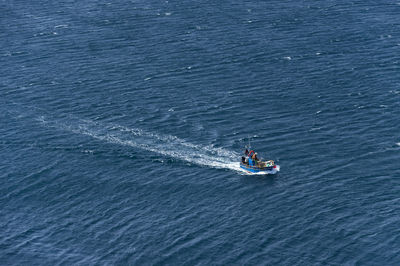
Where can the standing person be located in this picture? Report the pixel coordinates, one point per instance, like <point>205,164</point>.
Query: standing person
<point>255,157</point>
<point>256,161</point>
<point>246,152</point>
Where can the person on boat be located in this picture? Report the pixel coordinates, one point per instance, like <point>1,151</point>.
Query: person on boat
<point>246,152</point>
<point>254,156</point>
<point>257,162</point>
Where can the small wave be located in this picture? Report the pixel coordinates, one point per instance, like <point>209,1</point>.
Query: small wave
<point>61,26</point>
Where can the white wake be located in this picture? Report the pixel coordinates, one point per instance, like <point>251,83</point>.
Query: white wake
<point>166,145</point>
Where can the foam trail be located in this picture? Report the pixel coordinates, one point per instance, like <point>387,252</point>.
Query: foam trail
<point>166,145</point>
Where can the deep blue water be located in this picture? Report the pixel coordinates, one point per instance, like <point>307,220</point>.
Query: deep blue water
<point>122,123</point>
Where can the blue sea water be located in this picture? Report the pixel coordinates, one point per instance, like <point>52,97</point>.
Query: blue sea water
<point>122,124</point>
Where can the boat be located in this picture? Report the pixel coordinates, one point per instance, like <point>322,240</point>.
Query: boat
<point>250,163</point>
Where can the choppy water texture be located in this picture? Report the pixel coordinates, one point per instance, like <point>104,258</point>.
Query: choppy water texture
<point>122,123</point>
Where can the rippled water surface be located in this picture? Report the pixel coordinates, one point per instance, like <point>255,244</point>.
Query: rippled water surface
<point>122,124</point>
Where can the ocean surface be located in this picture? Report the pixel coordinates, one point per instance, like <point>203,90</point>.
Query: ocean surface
<point>122,124</point>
